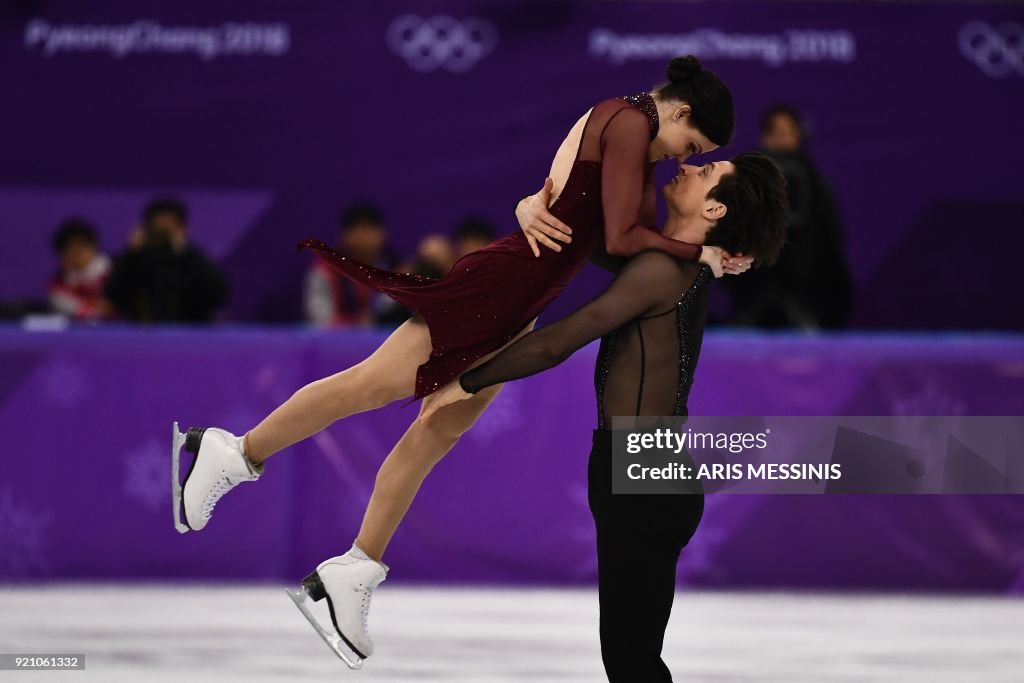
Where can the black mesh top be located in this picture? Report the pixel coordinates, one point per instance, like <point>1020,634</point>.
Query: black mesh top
<point>651,324</point>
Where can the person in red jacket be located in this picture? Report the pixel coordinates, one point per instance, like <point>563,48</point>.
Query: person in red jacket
<point>332,300</point>
<point>76,289</point>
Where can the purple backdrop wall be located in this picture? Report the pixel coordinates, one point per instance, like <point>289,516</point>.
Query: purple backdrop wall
<point>267,118</point>
<point>84,465</point>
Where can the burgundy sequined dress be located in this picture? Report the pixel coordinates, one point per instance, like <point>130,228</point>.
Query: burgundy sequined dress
<point>491,294</point>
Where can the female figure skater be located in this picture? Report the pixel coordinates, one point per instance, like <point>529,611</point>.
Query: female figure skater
<point>603,178</point>
<point>651,323</point>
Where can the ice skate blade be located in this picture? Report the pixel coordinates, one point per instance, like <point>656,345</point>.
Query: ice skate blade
<point>333,640</point>
<point>177,442</point>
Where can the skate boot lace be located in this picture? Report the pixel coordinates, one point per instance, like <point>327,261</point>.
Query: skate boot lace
<point>218,490</point>
<point>367,595</point>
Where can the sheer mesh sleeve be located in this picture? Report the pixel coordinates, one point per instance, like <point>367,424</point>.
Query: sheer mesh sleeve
<point>647,283</point>
<point>624,167</point>
<point>602,259</point>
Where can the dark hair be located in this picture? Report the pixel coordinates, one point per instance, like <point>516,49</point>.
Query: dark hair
<point>783,110</point>
<point>757,209</point>
<point>74,229</point>
<point>361,213</point>
<point>709,98</point>
<point>165,205</point>
<point>475,228</point>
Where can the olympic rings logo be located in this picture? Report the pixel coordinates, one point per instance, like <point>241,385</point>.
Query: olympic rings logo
<point>441,41</point>
<point>998,52</point>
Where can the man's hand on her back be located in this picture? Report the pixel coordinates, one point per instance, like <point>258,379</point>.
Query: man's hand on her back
<point>538,224</point>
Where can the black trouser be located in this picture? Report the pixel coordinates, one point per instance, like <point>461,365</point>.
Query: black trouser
<point>638,542</point>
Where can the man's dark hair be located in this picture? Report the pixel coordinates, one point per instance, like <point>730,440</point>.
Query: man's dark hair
<point>74,229</point>
<point>163,205</point>
<point>757,215</point>
<point>361,213</point>
<point>709,98</point>
<point>475,228</point>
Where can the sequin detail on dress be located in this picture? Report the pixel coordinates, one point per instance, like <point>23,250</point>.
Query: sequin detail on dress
<point>645,103</point>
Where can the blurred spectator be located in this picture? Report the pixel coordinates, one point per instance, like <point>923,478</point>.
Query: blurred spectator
<point>472,234</point>
<point>435,256</point>
<point>162,277</point>
<point>809,287</point>
<point>782,130</point>
<point>76,289</point>
<point>332,300</point>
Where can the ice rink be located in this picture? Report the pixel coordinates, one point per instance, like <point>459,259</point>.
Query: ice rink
<point>146,634</point>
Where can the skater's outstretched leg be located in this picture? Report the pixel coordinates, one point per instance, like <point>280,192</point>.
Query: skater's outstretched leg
<point>223,460</point>
<point>420,448</point>
<point>348,581</point>
<point>387,375</point>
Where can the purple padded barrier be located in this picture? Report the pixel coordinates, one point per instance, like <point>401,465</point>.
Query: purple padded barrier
<point>84,465</point>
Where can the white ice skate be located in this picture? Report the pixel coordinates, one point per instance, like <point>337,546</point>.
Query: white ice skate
<point>218,466</point>
<point>348,582</point>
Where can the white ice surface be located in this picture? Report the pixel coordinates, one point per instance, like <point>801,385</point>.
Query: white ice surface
<point>187,634</point>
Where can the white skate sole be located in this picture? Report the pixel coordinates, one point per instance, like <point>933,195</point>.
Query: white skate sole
<point>312,589</point>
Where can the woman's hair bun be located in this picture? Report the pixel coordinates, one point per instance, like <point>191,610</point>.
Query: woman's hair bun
<point>682,69</point>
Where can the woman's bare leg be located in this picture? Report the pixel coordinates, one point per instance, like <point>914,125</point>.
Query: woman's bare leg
<point>387,375</point>
<point>421,447</point>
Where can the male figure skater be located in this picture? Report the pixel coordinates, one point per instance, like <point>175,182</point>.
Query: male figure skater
<point>651,323</point>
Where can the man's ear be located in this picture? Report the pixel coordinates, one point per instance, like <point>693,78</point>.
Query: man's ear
<point>681,111</point>
<point>714,210</point>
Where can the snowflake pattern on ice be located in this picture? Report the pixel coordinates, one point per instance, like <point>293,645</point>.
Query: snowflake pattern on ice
<point>23,538</point>
<point>146,475</point>
<point>64,384</point>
